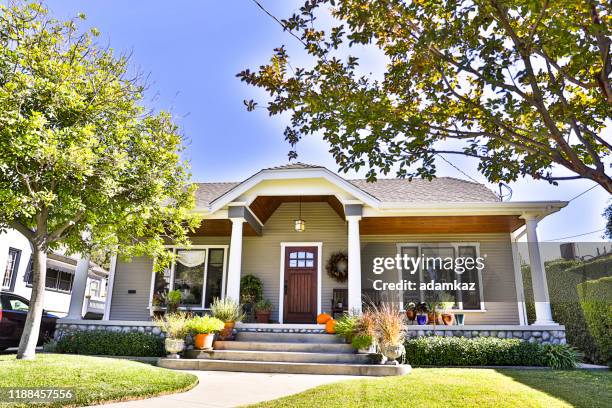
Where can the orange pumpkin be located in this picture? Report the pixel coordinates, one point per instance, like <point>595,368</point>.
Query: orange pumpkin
<point>330,326</point>
<point>323,318</point>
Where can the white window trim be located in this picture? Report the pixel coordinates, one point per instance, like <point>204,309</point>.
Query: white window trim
<point>455,246</point>
<point>281,291</point>
<point>175,248</point>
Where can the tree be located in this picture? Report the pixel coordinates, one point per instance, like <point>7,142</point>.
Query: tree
<point>522,86</point>
<point>607,214</point>
<point>83,165</point>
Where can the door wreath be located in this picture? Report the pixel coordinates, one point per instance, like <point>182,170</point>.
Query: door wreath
<point>337,266</point>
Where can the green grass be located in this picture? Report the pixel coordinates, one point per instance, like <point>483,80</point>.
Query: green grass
<point>94,379</point>
<point>456,387</point>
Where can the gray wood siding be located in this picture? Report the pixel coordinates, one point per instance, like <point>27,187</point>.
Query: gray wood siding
<point>499,289</point>
<point>134,274</point>
<point>261,255</point>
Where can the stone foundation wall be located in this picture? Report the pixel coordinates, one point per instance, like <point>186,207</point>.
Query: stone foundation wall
<point>555,336</point>
<point>63,329</point>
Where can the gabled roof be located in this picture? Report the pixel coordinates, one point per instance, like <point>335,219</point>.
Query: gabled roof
<point>441,189</point>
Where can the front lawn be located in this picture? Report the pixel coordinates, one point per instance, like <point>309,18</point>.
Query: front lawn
<point>457,387</point>
<point>94,379</point>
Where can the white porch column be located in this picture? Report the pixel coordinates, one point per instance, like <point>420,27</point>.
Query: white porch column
<point>79,285</point>
<point>538,274</point>
<point>235,260</point>
<point>354,264</point>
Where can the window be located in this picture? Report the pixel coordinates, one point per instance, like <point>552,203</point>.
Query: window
<point>198,273</point>
<point>18,305</point>
<point>94,288</point>
<point>443,272</point>
<point>12,265</point>
<point>301,259</point>
<point>56,280</point>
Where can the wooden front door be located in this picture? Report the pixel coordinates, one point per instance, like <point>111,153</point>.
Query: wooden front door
<point>300,303</point>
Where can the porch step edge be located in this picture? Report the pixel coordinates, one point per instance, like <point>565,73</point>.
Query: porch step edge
<point>271,337</point>
<point>278,356</point>
<point>278,346</point>
<point>374,370</point>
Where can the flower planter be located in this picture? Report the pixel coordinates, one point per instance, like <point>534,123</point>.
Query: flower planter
<point>262,317</point>
<point>448,319</point>
<point>421,319</point>
<point>204,341</point>
<point>411,315</point>
<point>460,319</point>
<point>433,318</point>
<point>227,332</point>
<point>392,351</point>
<point>174,346</point>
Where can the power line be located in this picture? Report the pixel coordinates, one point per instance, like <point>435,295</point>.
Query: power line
<point>584,192</point>
<point>574,236</point>
<point>273,17</point>
<point>457,168</point>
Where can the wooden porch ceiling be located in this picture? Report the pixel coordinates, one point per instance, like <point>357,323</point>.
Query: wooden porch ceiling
<point>472,224</point>
<point>264,206</point>
<point>221,228</point>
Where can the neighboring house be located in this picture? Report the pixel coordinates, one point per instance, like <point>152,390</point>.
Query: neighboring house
<point>15,271</point>
<point>252,227</point>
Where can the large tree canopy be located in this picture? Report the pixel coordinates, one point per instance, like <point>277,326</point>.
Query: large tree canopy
<point>83,165</point>
<point>522,86</point>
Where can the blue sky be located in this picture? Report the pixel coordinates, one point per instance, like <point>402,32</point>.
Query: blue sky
<point>193,50</point>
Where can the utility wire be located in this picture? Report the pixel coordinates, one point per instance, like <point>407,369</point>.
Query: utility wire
<point>584,192</point>
<point>574,236</point>
<point>457,168</point>
<point>273,17</point>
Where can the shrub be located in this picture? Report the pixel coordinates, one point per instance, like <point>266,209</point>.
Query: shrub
<point>563,277</point>
<point>346,326</point>
<point>251,289</point>
<point>226,310</point>
<point>560,356</point>
<point>106,343</point>
<point>204,325</point>
<point>596,303</point>
<point>487,351</point>
<point>263,305</point>
<point>361,342</point>
<point>173,324</point>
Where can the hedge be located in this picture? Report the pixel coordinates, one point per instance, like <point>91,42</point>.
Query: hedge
<point>100,342</point>
<point>596,302</point>
<point>563,277</point>
<point>487,351</point>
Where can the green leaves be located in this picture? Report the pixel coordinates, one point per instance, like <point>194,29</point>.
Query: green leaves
<point>78,150</point>
<point>524,87</point>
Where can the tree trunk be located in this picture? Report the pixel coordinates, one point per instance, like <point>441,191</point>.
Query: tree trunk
<point>31,330</point>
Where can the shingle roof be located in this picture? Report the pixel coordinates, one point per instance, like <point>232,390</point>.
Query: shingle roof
<point>441,189</point>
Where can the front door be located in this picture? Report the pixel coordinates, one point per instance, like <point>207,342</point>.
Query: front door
<point>300,303</point>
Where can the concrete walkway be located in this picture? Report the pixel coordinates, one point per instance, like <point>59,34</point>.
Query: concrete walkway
<point>227,389</point>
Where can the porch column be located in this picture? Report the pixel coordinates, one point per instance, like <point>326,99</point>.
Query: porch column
<point>235,260</point>
<point>79,285</point>
<point>354,264</point>
<point>538,274</point>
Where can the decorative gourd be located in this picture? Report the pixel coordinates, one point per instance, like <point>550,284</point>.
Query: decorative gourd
<point>323,318</point>
<point>330,326</point>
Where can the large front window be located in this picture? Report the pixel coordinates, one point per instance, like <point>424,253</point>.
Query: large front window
<point>12,264</point>
<point>198,273</point>
<point>443,272</point>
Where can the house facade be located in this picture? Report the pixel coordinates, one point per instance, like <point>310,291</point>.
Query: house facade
<point>284,223</point>
<point>15,274</point>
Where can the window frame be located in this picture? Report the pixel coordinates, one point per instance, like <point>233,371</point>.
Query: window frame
<point>174,249</point>
<point>14,269</point>
<point>57,279</point>
<point>455,246</point>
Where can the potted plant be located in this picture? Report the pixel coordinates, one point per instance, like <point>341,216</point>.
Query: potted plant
<point>263,308</point>
<point>346,327</point>
<point>365,337</point>
<point>460,318</point>
<point>251,292</point>
<point>204,329</point>
<point>337,301</point>
<point>157,305</point>
<point>173,300</point>
<point>421,310</point>
<point>175,327</point>
<point>411,312</point>
<point>229,312</point>
<point>391,331</point>
<point>445,306</point>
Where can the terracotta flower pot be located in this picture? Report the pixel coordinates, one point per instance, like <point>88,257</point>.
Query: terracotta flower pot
<point>411,315</point>
<point>433,318</point>
<point>262,317</point>
<point>204,341</point>
<point>448,319</point>
<point>227,331</point>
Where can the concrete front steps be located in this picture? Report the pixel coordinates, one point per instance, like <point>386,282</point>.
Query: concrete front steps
<point>290,353</point>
